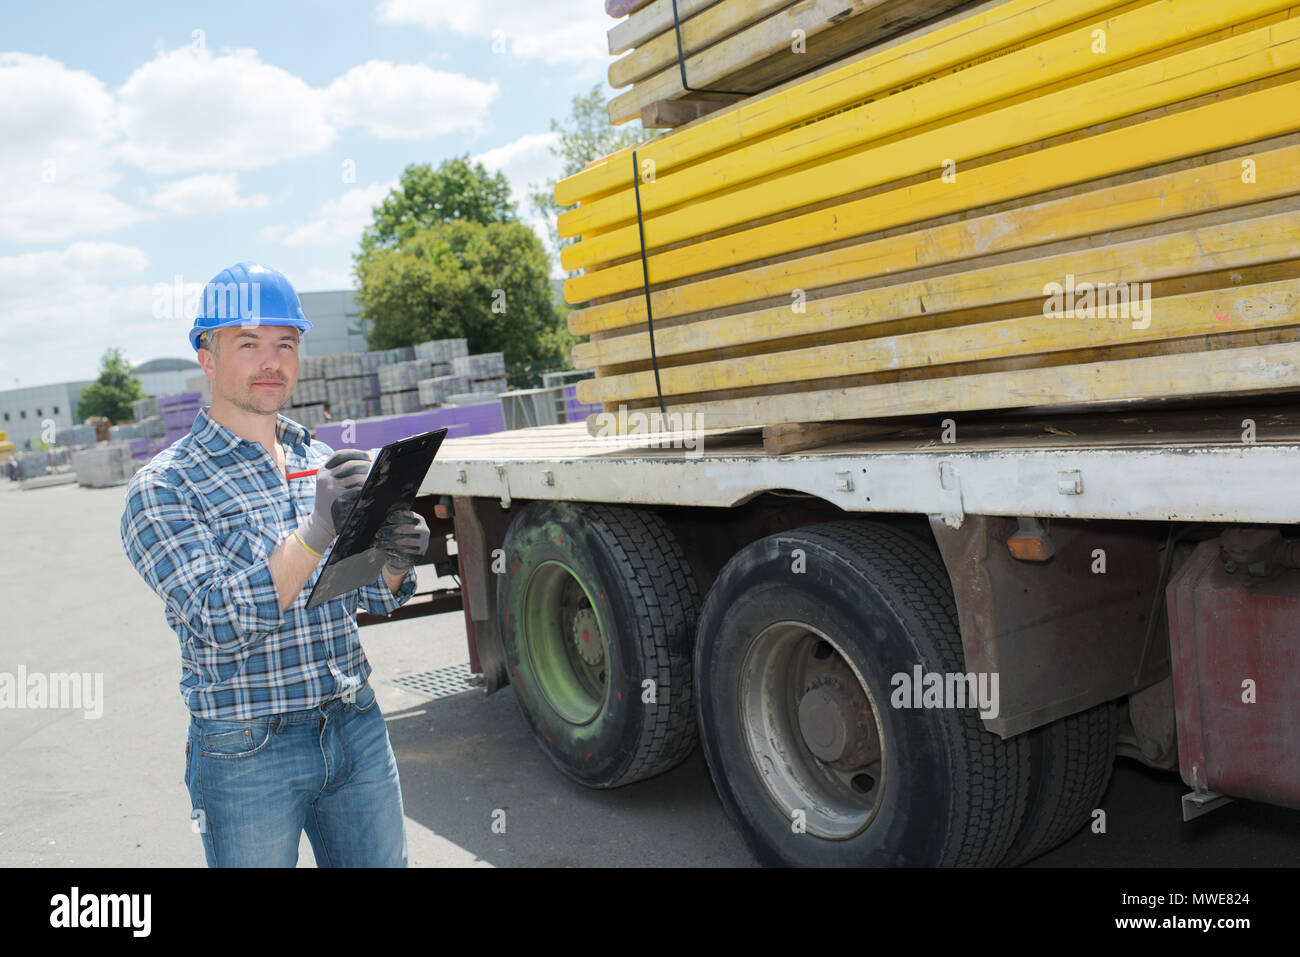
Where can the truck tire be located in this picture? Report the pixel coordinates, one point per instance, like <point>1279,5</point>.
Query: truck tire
<point>1070,763</point>
<point>801,639</point>
<point>598,610</point>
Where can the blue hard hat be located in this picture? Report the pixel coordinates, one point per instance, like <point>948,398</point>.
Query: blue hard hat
<point>247,294</point>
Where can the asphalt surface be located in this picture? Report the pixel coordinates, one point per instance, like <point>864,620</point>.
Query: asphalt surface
<point>109,791</point>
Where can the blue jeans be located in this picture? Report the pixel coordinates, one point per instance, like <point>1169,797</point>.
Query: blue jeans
<point>255,785</point>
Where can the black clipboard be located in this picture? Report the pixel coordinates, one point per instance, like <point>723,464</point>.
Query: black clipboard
<point>394,481</point>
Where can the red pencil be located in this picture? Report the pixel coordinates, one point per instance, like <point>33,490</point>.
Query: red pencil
<point>294,475</point>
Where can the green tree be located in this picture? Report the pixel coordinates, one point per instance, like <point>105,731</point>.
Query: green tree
<point>113,392</point>
<point>487,283</point>
<point>585,136</point>
<point>457,190</point>
<point>447,257</point>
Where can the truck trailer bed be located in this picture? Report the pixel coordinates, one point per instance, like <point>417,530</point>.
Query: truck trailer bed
<point>1233,464</point>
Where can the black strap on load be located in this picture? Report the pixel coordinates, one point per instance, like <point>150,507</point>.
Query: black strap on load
<point>681,62</point>
<point>645,277</point>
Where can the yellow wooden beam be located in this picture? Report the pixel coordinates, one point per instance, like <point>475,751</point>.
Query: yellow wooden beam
<point>1274,368</point>
<point>1276,173</point>
<point>1236,60</point>
<point>961,42</point>
<point>1239,243</point>
<point>1067,57</point>
<point>1228,246</point>
<point>1217,125</point>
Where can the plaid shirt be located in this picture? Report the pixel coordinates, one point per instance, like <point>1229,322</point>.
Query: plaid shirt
<point>201,521</point>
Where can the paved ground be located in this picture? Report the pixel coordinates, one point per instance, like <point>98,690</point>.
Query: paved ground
<point>109,792</point>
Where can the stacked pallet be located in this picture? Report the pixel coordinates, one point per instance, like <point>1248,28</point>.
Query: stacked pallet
<point>358,385</point>
<point>178,412</point>
<point>346,382</point>
<point>81,436</point>
<point>691,57</point>
<point>399,384</point>
<point>442,350</point>
<point>485,372</point>
<point>1040,202</point>
<point>438,389</point>
<point>104,466</point>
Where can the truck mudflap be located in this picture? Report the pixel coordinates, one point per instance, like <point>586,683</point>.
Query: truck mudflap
<point>478,532</point>
<point>1066,633</point>
<point>1235,640</point>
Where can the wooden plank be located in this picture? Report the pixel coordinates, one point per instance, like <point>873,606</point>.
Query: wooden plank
<point>776,241</point>
<point>982,189</point>
<point>961,40</point>
<point>1064,58</point>
<point>746,48</point>
<point>1204,313</point>
<point>651,20</point>
<point>712,25</point>
<point>971,8</point>
<point>1217,125</point>
<point>850,37</point>
<point>1193,424</point>
<point>621,8</point>
<point>968,294</point>
<point>668,113</point>
<point>1254,275</point>
<point>1278,422</point>
<point>1270,368</point>
<point>1218,66</point>
<point>1153,200</point>
<point>798,437</point>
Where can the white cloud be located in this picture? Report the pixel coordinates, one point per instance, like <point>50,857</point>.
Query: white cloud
<point>205,193</point>
<point>555,31</point>
<point>327,280</point>
<point>408,101</point>
<point>54,212</point>
<point>56,166</point>
<point>34,273</point>
<point>525,161</point>
<point>193,110</point>
<point>337,221</point>
<point>528,164</point>
<point>190,109</point>
<point>104,296</point>
<point>49,112</point>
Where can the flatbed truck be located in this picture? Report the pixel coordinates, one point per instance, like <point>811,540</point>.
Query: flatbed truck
<point>925,648</point>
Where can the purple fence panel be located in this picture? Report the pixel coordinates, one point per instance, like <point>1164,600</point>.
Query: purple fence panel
<point>459,420</point>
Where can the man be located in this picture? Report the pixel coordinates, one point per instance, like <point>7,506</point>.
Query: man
<point>284,731</point>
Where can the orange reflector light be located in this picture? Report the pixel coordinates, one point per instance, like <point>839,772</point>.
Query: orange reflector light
<point>1030,548</point>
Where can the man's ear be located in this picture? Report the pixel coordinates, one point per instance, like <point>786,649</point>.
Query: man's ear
<point>206,360</point>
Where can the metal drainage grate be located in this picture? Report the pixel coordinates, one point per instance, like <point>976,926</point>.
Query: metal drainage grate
<point>440,682</point>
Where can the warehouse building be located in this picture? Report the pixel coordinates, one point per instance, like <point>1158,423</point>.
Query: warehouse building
<point>336,327</point>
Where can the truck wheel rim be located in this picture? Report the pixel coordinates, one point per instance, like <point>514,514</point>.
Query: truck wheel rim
<point>812,731</point>
<point>565,643</point>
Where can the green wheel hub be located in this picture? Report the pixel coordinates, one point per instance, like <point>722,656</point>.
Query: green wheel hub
<point>565,643</point>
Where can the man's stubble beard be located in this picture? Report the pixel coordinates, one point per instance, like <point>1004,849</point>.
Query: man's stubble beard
<point>246,401</point>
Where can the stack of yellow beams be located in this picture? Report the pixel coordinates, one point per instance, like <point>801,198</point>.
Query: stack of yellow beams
<point>919,231</point>
<point>741,47</point>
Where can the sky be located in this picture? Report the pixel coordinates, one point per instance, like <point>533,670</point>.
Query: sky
<point>145,146</point>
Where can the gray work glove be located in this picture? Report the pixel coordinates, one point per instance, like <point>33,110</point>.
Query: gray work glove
<point>338,485</point>
<point>404,538</point>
